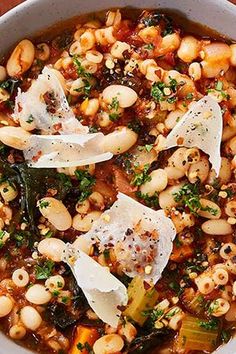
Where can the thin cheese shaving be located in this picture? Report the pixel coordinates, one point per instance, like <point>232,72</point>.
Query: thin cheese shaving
<point>200,127</point>
<point>32,105</point>
<point>57,151</point>
<point>140,237</point>
<point>104,292</point>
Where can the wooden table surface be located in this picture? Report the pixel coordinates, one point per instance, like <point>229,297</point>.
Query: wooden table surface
<point>6,5</point>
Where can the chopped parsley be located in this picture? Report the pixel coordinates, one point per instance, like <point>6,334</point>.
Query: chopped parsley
<point>162,92</point>
<point>86,89</point>
<point>44,271</point>
<point>66,181</point>
<point>209,325</point>
<point>225,336</point>
<point>147,147</point>
<point>135,125</point>
<point>114,104</point>
<point>219,88</point>
<point>30,119</point>
<point>141,177</point>
<point>87,181</point>
<point>80,69</point>
<point>86,346</point>
<point>150,201</point>
<point>43,204</point>
<point>21,238</point>
<point>10,85</point>
<point>189,196</point>
<point>149,46</point>
<point>114,117</point>
<point>156,314</point>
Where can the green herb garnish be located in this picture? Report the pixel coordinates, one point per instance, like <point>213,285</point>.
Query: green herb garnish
<point>141,177</point>
<point>44,271</point>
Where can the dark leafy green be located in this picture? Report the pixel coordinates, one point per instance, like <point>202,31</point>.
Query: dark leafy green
<point>59,315</point>
<point>147,341</point>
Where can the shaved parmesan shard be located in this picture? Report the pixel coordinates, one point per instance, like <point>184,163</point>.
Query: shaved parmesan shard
<point>104,292</point>
<point>140,237</point>
<point>200,127</point>
<point>34,105</point>
<point>65,150</point>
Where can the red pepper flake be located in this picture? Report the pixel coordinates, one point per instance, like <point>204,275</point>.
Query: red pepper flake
<point>146,285</point>
<point>37,156</point>
<point>57,126</point>
<point>180,140</point>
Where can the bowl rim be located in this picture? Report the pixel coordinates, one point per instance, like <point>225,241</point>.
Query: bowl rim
<point>27,5</point>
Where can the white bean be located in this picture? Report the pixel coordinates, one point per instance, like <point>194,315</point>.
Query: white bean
<point>120,140</point>
<point>6,305</point>
<point>15,137</point>
<point>157,183</point>
<point>125,95</point>
<point>37,294</point>
<point>52,248</point>
<point>173,118</point>
<point>56,213</point>
<point>199,170</point>
<point>174,173</point>
<point>233,54</point>
<point>110,343</point>
<point>20,278</point>
<point>83,244</point>
<point>217,227</point>
<point>189,49</point>
<point>21,58</point>
<point>225,171</point>
<point>217,52</point>
<point>178,159</point>
<point>30,318</point>
<point>213,69</point>
<point>84,223</point>
<point>212,210</point>
<point>3,73</point>
<point>166,198</point>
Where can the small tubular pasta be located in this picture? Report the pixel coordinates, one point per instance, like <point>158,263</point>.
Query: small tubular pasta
<point>105,36</point>
<point>219,307</point>
<point>118,48</point>
<point>205,284</point>
<point>20,277</point>
<point>228,250</point>
<point>220,276</point>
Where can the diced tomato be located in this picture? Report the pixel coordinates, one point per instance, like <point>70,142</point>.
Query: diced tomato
<point>122,183</point>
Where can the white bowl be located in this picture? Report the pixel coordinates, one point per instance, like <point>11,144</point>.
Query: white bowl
<point>35,15</point>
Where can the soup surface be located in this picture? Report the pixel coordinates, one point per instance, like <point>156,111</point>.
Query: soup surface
<point>117,188</point>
